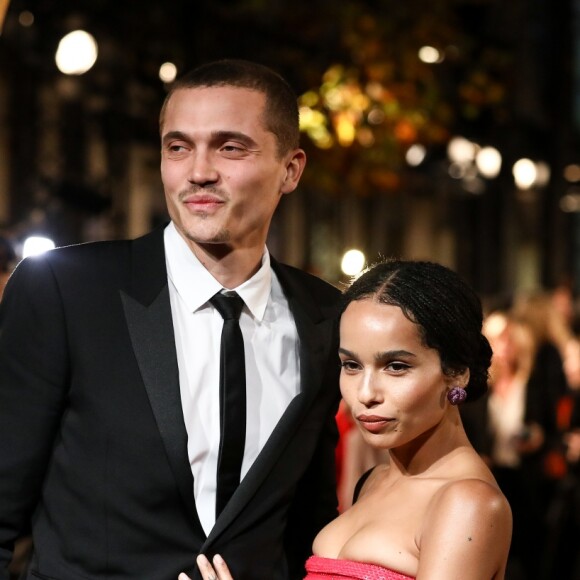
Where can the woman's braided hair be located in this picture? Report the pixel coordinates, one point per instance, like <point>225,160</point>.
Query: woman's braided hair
<point>447,311</point>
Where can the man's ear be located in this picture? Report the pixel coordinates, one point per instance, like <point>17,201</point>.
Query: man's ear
<point>294,168</point>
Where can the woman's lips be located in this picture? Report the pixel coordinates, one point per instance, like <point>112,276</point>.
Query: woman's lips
<point>373,423</point>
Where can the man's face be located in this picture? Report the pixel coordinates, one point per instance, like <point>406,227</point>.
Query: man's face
<point>221,171</point>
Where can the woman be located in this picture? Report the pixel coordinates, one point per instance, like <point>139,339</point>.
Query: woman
<point>411,349</point>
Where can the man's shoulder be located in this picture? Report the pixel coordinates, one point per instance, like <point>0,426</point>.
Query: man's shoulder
<point>78,256</point>
<point>309,282</point>
<point>90,259</point>
<point>104,249</point>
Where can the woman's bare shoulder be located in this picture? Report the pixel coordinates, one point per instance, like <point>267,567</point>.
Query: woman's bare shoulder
<point>469,497</point>
<point>469,519</point>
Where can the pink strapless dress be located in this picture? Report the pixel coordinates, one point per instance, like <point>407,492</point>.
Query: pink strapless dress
<point>318,568</point>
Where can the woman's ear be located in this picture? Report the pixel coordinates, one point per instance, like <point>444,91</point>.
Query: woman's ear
<point>458,378</point>
<point>462,379</point>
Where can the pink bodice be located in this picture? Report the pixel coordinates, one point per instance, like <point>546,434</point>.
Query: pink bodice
<point>318,568</point>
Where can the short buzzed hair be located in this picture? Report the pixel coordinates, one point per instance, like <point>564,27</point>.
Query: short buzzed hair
<point>281,108</point>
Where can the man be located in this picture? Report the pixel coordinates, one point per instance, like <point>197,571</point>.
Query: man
<point>110,365</point>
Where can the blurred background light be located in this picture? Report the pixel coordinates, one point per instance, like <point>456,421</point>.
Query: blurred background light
<point>572,173</point>
<point>488,161</point>
<point>415,154</point>
<point>542,174</point>
<point>167,72</point>
<point>26,18</point>
<point>430,55</point>
<point>461,150</point>
<point>570,203</point>
<point>525,173</point>
<point>353,262</point>
<point>35,245</point>
<point>76,53</point>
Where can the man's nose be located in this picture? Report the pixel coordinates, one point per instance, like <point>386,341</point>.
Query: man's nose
<point>202,171</point>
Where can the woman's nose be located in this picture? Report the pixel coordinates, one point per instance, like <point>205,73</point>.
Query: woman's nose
<point>368,392</point>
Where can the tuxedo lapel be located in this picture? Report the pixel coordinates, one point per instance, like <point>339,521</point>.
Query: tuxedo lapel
<point>315,333</point>
<point>148,314</point>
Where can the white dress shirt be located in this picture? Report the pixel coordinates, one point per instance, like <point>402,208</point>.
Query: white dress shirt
<point>271,353</point>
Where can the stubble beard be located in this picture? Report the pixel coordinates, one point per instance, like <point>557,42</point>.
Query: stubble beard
<point>222,236</point>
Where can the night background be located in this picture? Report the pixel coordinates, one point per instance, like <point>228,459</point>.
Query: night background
<point>445,130</point>
<point>79,154</point>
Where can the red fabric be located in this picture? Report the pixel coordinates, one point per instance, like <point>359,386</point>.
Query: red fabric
<point>318,568</point>
<point>344,424</point>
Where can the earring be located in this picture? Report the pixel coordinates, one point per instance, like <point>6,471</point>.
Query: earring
<point>456,395</point>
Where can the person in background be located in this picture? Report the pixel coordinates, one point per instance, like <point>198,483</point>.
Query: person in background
<point>562,558</point>
<point>411,351</point>
<point>551,336</point>
<point>510,428</point>
<point>114,438</point>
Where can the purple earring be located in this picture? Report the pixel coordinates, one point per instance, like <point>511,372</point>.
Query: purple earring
<point>456,395</point>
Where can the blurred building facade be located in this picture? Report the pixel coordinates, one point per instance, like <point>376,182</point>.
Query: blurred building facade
<point>79,154</point>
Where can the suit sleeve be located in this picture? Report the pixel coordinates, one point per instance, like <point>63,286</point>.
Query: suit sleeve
<point>33,379</point>
<point>316,502</point>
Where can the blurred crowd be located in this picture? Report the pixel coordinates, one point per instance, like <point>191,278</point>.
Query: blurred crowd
<point>527,428</point>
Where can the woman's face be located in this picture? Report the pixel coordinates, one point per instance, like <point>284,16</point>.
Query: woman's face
<point>392,382</point>
<point>501,334</point>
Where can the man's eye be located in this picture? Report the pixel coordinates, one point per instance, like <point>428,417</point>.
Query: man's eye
<point>232,148</point>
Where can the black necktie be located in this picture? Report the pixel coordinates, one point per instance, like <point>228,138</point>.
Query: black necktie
<point>232,398</point>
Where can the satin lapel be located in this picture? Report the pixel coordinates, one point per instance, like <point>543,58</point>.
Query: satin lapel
<point>148,314</point>
<point>315,333</point>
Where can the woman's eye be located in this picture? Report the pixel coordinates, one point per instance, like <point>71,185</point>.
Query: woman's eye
<point>397,367</point>
<point>349,365</point>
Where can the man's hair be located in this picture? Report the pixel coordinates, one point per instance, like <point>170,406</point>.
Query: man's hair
<point>281,107</point>
<point>445,308</point>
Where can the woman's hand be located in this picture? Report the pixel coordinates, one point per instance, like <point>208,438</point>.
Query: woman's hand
<point>219,570</point>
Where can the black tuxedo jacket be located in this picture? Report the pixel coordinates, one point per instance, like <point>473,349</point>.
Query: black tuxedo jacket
<point>93,445</point>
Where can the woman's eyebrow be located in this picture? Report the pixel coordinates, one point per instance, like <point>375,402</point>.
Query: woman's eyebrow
<point>382,356</point>
<point>393,354</point>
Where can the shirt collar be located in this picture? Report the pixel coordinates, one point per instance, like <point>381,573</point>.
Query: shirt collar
<point>195,285</point>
